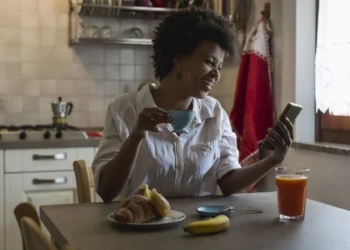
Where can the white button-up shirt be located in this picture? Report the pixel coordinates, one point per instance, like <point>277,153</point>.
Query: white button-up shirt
<point>185,165</point>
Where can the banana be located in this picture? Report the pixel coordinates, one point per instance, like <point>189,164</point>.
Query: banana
<point>209,226</point>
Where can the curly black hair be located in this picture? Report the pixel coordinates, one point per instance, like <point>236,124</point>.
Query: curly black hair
<point>181,32</point>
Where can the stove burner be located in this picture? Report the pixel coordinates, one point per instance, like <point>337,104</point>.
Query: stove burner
<point>41,132</point>
<point>39,127</point>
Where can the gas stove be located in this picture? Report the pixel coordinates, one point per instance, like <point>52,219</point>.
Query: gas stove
<point>41,132</point>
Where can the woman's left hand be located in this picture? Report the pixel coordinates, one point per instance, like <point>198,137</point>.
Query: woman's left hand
<point>280,139</point>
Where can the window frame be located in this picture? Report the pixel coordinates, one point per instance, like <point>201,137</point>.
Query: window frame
<point>330,128</point>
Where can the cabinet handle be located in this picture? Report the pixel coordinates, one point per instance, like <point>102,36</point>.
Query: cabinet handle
<point>58,156</point>
<point>58,180</point>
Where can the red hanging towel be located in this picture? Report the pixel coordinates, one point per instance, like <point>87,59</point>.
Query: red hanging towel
<point>253,108</point>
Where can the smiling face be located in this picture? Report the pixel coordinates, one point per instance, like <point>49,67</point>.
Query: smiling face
<point>200,70</point>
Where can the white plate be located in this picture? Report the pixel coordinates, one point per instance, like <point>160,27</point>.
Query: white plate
<point>173,218</point>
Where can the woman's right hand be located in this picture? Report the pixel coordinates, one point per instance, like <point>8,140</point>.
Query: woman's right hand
<point>148,120</point>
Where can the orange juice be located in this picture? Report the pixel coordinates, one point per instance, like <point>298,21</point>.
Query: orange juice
<point>291,191</point>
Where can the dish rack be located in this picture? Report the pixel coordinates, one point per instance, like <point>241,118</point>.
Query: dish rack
<point>80,9</point>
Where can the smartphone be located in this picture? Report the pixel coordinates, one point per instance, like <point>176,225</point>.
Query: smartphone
<point>291,111</point>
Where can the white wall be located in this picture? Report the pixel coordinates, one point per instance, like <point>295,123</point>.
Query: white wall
<point>293,23</point>
<point>329,173</point>
<point>329,176</point>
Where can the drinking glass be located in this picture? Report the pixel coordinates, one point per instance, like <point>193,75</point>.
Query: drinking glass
<point>291,192</point>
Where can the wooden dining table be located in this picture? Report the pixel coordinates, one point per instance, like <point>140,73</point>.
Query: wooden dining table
<point>86,226</point>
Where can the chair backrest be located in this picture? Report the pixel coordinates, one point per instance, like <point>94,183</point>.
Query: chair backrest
<point>84,179</point>
<point>34,238</point>
<point>25,210</point>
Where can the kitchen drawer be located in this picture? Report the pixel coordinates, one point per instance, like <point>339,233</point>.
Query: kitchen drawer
<point>53,159</point>
<point>48,181</point>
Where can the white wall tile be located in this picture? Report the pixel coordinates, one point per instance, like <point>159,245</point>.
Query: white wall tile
<point>143,56</point>
<point>12,5</point>
<point>29,5</point>
<point>112,88</point>
<point>82,87</point>
<point>31,104</point>
<point>96,88</point>
<point>10,53</point>
<point>61,6</point>
<point>47,20</point>
<point>79,119</point>
<point>45,104</point>
<point>30,20</point>
<point>47,37</point>
<point>31,118</point>
<point>10,36</point>
<point>96,104</point>
<point>11,87</point>
<point>11,19</point>
<point>14,118</point>
<point>30,36</point>
<point>142,72</point>
<point>109,100</point>
<point>127,56</point>
<point>46,6</point>
<point>13,104</point>
<point>11,71</point>
<point>96,71</point>
<point>45,117</point>
<point>31,88</point>
<point>62,21</point>
<point>112,72</point>
<point>65,88</point>
<point>47,87</point>
<point>62,54</point>
<point>61,38</point>
<point>2,118</point>
<point>111,56</point>
<point>96,119</point>
<point>95,55</point>
<point>127,72</point>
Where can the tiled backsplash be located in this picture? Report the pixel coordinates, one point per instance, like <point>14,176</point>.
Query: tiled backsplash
<point>37,65</point>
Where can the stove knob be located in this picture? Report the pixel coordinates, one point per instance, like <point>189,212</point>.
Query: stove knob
<point>59,135</point>
<point>22,135</point>
<point>47,135</point>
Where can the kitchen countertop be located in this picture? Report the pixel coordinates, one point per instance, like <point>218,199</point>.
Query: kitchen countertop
<point>77,143</point>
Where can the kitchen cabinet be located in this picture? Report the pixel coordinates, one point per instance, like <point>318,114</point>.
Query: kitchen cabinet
<point>38,176</point>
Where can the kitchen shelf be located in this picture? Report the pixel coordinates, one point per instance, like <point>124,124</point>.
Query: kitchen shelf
<point>113,11</point>
<point>80,10</point>
<point>125,41</point>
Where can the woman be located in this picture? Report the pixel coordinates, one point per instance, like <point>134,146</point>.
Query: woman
<point>139,146</point>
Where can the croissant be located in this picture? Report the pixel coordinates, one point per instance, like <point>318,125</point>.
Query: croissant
<point>144,191</point>
<point>134,209</point>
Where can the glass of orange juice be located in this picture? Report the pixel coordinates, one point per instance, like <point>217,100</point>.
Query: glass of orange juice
<point>291,192</point>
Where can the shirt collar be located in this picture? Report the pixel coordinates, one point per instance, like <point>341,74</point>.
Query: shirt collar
<point>202,108</point>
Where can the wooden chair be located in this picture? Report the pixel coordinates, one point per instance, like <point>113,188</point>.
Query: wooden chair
<point>26,210</point>
<point>35,239</point>
<point>84,179</point>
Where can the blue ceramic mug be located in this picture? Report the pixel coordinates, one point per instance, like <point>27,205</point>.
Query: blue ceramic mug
<point>181,119</point>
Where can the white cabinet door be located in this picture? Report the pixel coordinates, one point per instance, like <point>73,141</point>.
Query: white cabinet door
<point>37,189</point>
<point>2,202</point>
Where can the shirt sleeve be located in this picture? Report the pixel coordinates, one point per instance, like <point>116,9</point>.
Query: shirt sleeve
<point>109,146</point>
<point>228,148</point>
